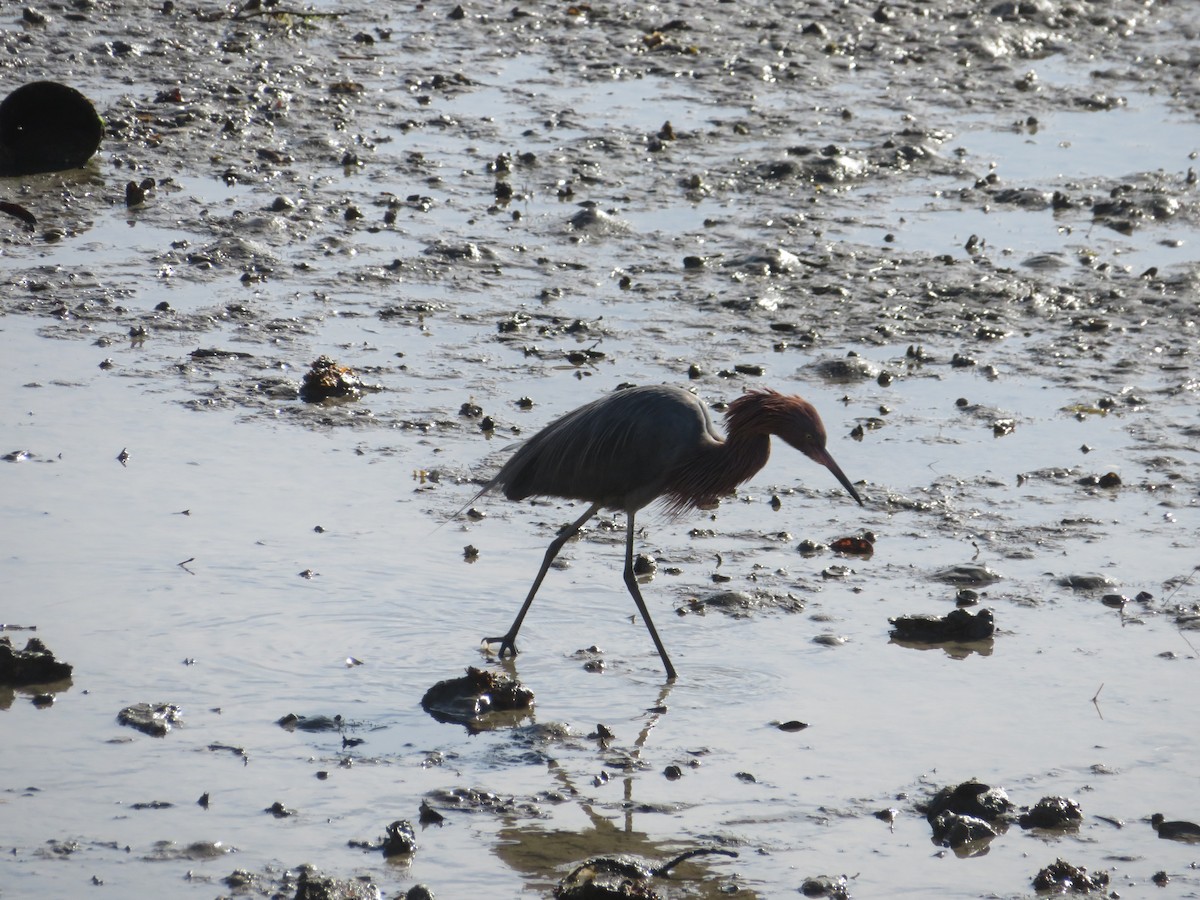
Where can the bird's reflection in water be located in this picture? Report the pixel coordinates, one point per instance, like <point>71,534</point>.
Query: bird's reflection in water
<point>545,855</point>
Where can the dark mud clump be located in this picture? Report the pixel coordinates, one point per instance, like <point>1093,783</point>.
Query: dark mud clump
<point>1052,813</point>
<point>1189,832</point>
<point>1087,581</point>
<point>312,886</point>
<point>303,883</point>
<point>826,886</point>
<point>33,665</point>
<point>971,798</point>
<point>473,800</point>
<point>154,719</point>
<point>968,816</point>
<point>399,839</point>
<point>297,722</point>
<point>1061,877</point>
<point>326,380</point>
<point>957,626</point>
<point>968,575</point>
<point>469,699</point>
<point>967,835</point>
<point>616,877</point>
<point>740,604</point>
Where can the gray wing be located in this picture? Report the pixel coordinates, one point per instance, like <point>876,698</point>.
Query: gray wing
<point>618,451</point>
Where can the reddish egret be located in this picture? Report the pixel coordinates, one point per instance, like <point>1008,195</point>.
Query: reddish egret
<point>635,446</point>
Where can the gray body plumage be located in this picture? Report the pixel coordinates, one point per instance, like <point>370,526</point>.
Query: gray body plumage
<point>620,451</point>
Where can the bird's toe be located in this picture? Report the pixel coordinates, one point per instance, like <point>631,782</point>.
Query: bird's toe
<point>507,646</point>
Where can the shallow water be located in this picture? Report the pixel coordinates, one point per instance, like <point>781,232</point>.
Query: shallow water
<point>1065,147</point>
<point>176,577</point>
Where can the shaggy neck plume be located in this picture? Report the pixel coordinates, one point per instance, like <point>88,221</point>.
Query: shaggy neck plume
<point>720,468</point>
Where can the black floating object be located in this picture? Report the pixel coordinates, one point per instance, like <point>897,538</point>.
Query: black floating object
<point>958,626</point>
<point>33,665</point>
<point>47,127</point>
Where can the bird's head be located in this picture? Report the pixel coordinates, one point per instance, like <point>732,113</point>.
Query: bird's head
<point>791,418</point>
<point>806,432</point>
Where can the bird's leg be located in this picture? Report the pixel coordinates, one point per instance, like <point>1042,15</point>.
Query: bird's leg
<point>508,641</point>
<point>635,591</point>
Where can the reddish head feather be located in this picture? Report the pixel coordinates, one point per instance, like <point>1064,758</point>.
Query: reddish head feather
<point>716,470</point>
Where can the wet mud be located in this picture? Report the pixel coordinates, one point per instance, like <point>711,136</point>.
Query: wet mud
<point>330,263</point>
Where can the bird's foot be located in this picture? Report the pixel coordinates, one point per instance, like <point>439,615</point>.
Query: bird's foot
<point>507,645</point>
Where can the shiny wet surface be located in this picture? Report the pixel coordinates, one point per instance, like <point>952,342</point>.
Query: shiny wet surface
<point>1075,345</point>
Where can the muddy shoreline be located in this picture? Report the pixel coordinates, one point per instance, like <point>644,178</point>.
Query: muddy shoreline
<point>968,234</point>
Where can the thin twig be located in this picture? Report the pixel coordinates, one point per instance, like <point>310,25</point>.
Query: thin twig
<point>663,870</point>
<point>1167,599</point>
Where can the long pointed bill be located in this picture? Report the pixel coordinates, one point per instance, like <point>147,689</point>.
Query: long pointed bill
<point>822,456</point>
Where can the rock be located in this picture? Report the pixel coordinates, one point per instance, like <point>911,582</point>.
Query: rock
<point>1188,832</point>
<point>33,665</point>
<point>957,831</point>
<point>970,798</point>
<point>156,719</point>
<point>1052,812</point>
<point>326,380</point>
<point>825,886</point>
<point>1086,582</point>
<point>956,626</point>
<point>400,839</point>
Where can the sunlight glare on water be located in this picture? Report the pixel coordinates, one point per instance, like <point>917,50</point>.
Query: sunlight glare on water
<point>1062,151</point>
<point>257,557</point>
